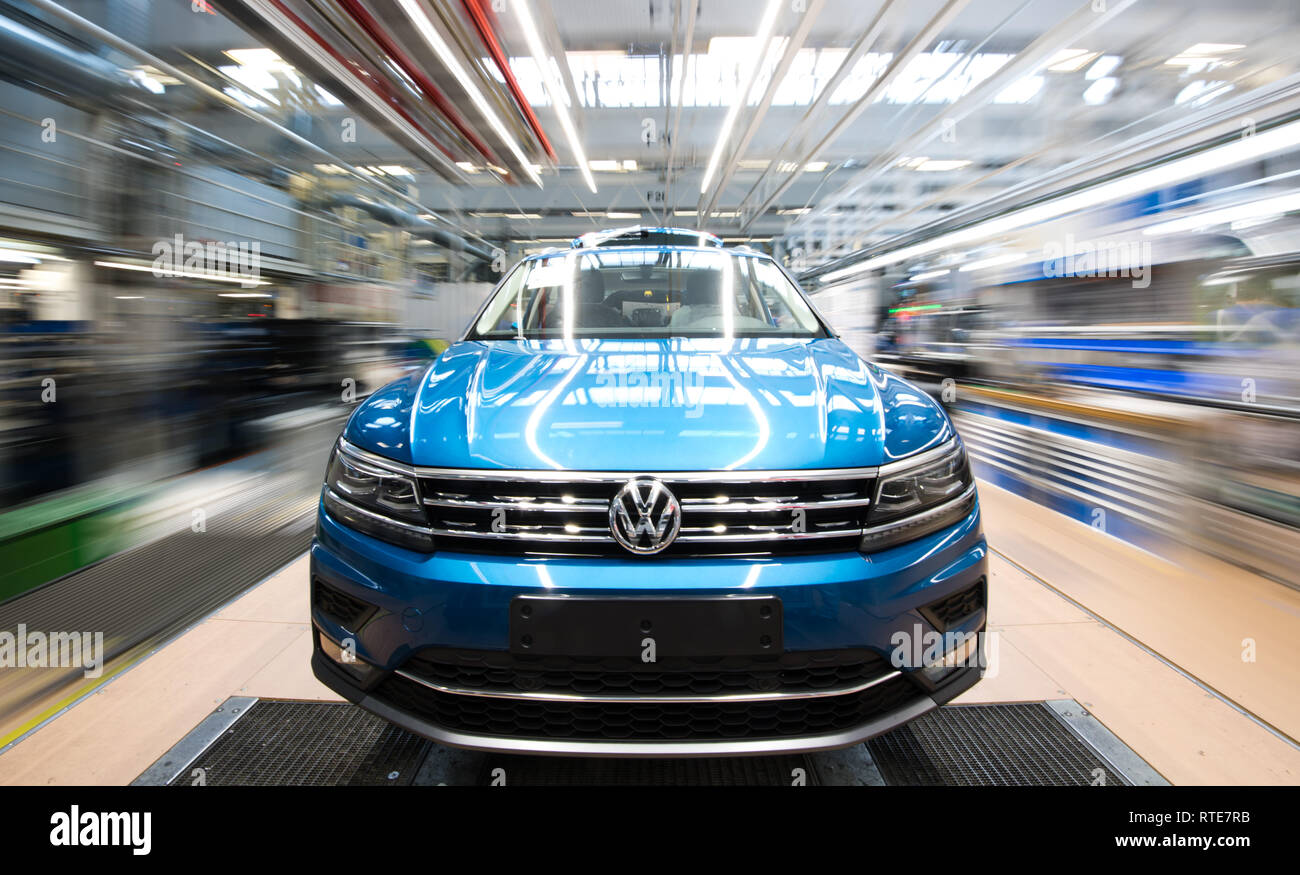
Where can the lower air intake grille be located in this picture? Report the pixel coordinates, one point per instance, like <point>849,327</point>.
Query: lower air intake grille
<point>948,612</point>
<point>614,721</point>
<point>346,610</point>
<point>796,671</point>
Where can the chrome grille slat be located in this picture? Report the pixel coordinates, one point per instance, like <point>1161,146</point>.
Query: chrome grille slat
<point>585,506</point>
<point>568,513</point>
<point>773,505</point>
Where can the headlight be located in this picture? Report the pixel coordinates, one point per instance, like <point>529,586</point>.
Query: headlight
<point>380,502</point>
<point>917,499</point>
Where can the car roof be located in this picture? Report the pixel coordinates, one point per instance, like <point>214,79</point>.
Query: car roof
<point>641,234</point>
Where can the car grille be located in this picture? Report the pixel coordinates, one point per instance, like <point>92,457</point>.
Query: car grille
<point>759,514</point>
<point>650,721</point>
<point>339,606</point>
<point>792,672</point>
<point>948,612</point>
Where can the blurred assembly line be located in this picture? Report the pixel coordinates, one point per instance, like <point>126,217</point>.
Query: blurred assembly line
<point>226,224</point>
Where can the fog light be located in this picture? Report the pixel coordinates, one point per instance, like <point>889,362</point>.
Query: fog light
<point>345,657</point>
<point>954,659</point>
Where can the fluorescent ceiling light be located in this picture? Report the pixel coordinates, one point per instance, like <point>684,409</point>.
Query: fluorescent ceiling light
<point>467,167</point>
<point>1100,91</point>
<point>1201,92</point>
<point>933,165</point>
<point>553,87</point>
<point>1213,48</point>
<point>685,212</point>
<point>794,211</point>
<point>242,279</point>
<point>149,82</point>
<point>761,38</point>
<point>17,257</point>
<point>244,295</point>
<point>262,59</point>
<point>493,214</point>
<point>1021,91</point>
<point>1236,151</point>
<point>452,63</point>
<point>395,170</point>
<point>327,98</point>
<point>609,165</point>
<point>1104,66</point>
<point>810,167</point>
<point>928,275</point>
<point>1070,60</point>
<point>1005,258</point>
<point>1272,206</point>
<point>613,215</point>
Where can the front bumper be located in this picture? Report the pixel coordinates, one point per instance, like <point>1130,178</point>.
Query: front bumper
<point>333,677</point>
<point>418,603</point>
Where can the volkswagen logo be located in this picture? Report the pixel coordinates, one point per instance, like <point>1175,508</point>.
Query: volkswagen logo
<point>644,516</point>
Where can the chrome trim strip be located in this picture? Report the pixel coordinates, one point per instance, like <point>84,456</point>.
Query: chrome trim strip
<point>923,458</point>
<point>694,505</point>
<point>721,747</point>
<point>378,516</point>
<point>593,505</point>
<point>374,458</point>
<point>724,537</point>
<point>523,536</point>
<point>668,477</point>
<point>690,505</point>
<point>719,538</point>
<point>915,519</point>
<point>723,697</point>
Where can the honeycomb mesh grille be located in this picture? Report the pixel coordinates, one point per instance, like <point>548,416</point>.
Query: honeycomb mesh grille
<point>649,721</point>
<point>950,611</point>
<point>795,671</point>
<point>348,611</point>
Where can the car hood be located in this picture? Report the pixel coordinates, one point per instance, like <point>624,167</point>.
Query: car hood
<point>649,405</point>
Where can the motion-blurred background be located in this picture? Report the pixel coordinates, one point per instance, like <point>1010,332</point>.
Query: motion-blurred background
<point>224,222</point>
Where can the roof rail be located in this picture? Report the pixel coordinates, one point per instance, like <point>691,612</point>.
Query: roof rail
<point>639,235</point>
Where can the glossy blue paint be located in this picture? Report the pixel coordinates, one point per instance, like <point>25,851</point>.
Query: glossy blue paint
<point>649,405</point>
<point>646,406</point>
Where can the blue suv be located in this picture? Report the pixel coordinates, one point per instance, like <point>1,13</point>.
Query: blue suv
<point>649,505</point>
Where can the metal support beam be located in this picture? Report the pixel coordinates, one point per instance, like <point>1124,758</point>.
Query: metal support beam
<point>896,65</point>
<point>792,49</point>
<point>819,106</point>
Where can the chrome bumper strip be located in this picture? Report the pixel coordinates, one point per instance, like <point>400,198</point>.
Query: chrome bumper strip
<point>692,699</point>
<point>713,748</point>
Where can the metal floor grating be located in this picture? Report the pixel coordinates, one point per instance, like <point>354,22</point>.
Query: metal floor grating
<point>308,743</point>
<point>769,771</point>
<point>989,745</point>
<point>271,742</point>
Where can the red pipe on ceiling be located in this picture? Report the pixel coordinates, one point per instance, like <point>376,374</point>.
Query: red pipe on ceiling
<point>371,26</point>
<point>363,75</point>
<point>479,16</point>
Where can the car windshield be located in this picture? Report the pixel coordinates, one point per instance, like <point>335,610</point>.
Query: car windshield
<point>647,294</point>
